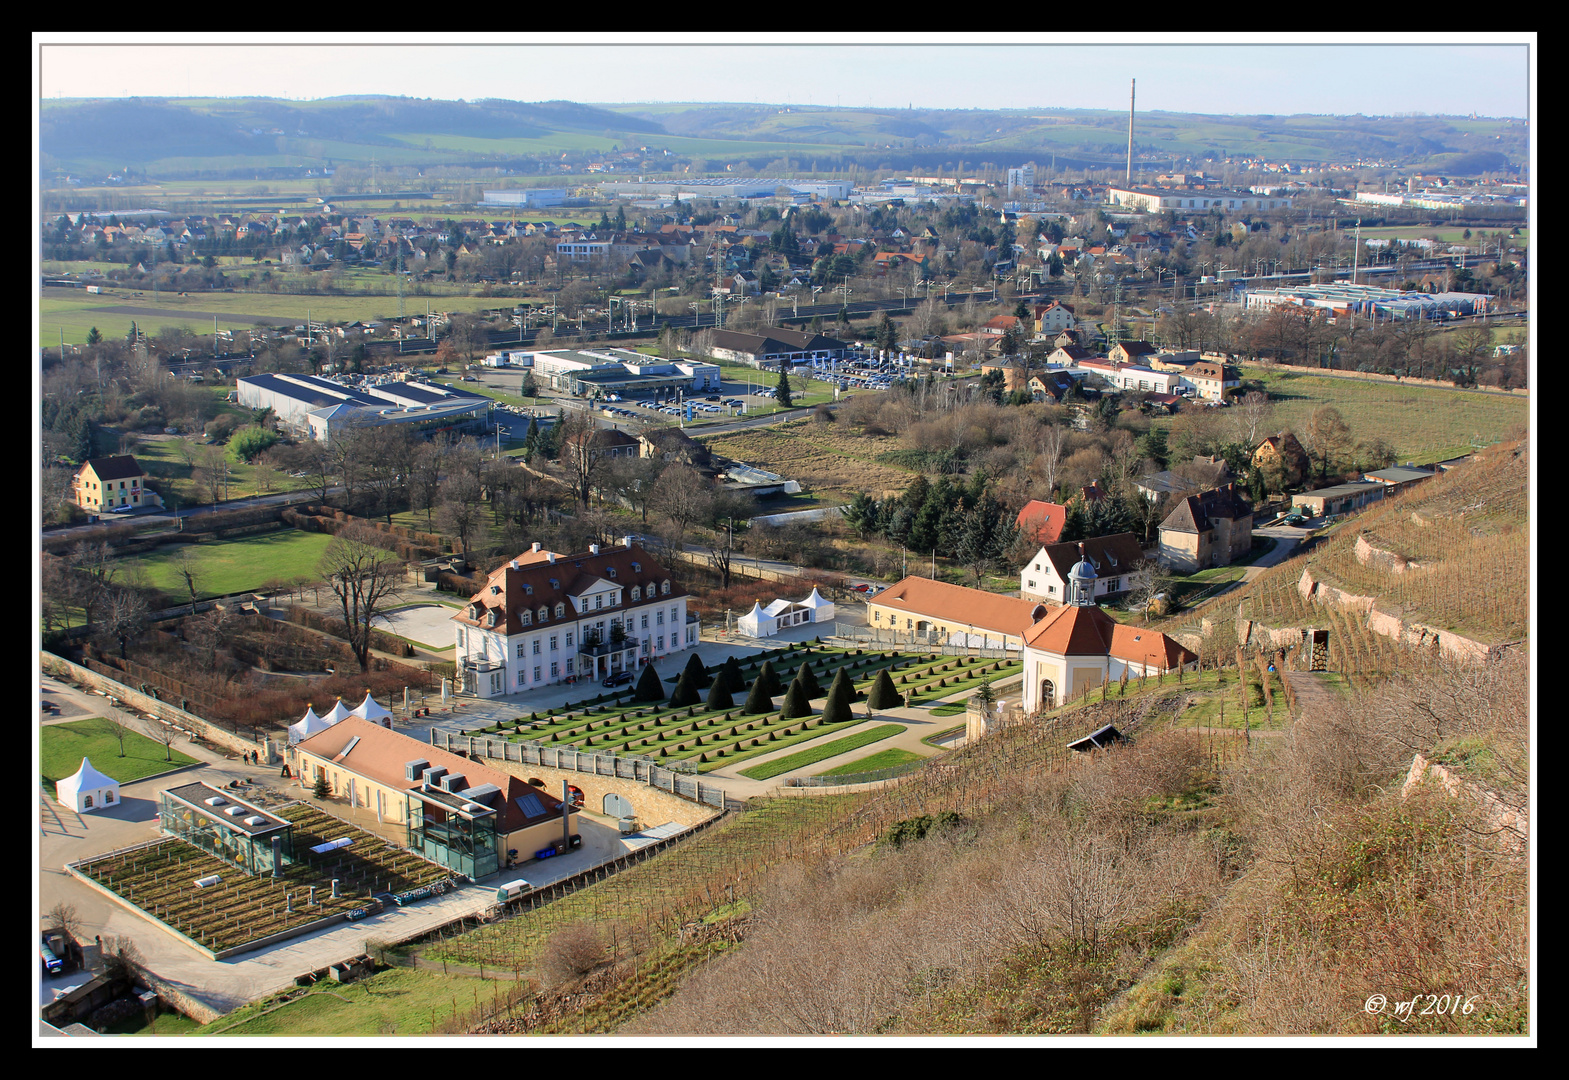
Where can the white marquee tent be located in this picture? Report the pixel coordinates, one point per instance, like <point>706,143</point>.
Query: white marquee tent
<point>338,712</point>
<point>309,725</point>
<point>370,710</point>
<point>87,789</point>
<point>767,621</point>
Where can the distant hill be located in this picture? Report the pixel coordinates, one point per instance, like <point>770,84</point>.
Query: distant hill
<point>169,138</point>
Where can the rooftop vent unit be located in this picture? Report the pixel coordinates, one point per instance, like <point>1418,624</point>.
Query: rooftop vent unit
<point>412,769</point>
<point>484,793</point>
<point>216,800</point>
<point>433,776</point>
<point>454,782</point>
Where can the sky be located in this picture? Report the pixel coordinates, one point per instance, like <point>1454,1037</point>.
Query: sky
<point>1485,74</point>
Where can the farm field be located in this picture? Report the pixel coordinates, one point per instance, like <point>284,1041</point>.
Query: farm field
<point>112,312</point>
<point>240,565</point>
<point>61,748</point>
<point>1423,423</point>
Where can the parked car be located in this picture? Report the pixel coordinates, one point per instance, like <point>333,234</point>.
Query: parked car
<point>1294,519</point>
<point>618,679</point>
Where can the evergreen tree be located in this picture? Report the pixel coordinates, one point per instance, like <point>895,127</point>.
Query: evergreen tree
<point>685,693</point>
<point>795,703</point>
<point>985,696</point>
<point>699,673</point>
<point>649,686</point>
<point>1073,522</point>
<point>320,790</point>
<point>782,393</point>
<point>772,684</point>
<point>719,696</point>
<point>887,334</point>
<point>759,700</point>
<point>884,695</point>
<point>808,680</point>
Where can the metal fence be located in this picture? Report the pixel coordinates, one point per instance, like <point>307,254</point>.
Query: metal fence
<point>854,637</point>
<point>553,757</point>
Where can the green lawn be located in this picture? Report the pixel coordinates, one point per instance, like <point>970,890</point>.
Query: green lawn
<point>396,1002</point>
<point>231,566</point>
<point>61,748</point>
<point>823,752</point>
<point>883,759</point>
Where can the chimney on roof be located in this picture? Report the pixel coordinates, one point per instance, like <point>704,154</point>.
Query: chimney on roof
<point>551,556</point>
<point>534,547</point>
<point>626,541</point>
<point>593,549</point>
<point>514,564</point>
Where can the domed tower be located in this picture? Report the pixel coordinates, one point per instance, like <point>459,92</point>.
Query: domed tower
<point>1081,582</point>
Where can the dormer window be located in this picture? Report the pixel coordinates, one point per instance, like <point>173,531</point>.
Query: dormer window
<point>637,568</point>
<point>611,571</point>
<point>495,590</point>
<point>664,588</point>
<point>637,594</point>
<point>561,610</point>
<point>528,590</point>
<point>555,584</point>
<point>544,613</point>
<point>525,618</point>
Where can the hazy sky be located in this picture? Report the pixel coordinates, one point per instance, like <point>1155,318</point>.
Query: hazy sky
<point>1488,74</point>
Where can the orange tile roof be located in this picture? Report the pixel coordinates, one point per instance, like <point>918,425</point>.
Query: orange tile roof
<point>1089,631</point>
<point>957,604</point>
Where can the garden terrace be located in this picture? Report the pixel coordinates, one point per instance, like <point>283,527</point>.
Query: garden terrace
<point>240,909</point>
<point>712,738</point>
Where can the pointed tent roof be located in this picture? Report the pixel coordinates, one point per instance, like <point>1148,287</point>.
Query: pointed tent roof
<point>371,710</point>
<point>776,606</point>
<point>308,725</point>
<point>88,777</point>
<point>337,713</point>
<point>816,600</point>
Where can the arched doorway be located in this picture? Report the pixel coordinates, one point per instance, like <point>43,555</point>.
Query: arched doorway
<point>1048,694</point>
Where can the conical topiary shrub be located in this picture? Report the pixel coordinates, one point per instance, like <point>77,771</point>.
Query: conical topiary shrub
<point>759,700</point>
<point>730,675</point>
<point>685,693</point>
<point>808,680</point>
<point>649,686</point>
<point>719,696</point>
<point>837,709</point>
<point>700,677</point>
<point>884,695</point>
<point>843,683</point>
<point>771,681</point>
<point>795,702</point>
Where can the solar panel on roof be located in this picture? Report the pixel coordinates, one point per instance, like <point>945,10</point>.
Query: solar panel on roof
<point>530,805</point>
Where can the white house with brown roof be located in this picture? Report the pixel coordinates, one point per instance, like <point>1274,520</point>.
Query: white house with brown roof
<point>1045,576</point>
<point>1211,379</point>
<point>921,609</point>
<point>547,618</point>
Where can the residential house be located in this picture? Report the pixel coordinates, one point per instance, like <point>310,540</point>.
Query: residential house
<point>1040,523</point>
<point>1204,471</point>
<point>546,618</point>
<point>104,484</point>
<point>1053,318</point>
<point>1282,456</point>
<point>602,443</point>
<point>1214,528</point>
<point>1045,575</point>
<point>1211,379</point>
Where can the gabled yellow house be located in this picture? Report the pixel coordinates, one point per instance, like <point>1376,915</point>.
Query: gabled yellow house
<point>106,484</point>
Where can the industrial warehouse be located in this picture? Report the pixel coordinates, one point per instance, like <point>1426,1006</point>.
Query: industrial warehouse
<point>321,407</point>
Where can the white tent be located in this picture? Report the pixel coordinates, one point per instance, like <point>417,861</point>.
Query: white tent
<point>822,610</point>
<point>87,789</point>
<point>758,623</point>
<point>370,710</point>
<point>309,725</point>
<point>338,712</point>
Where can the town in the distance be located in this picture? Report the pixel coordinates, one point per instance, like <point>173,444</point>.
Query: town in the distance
<point>681,572</point>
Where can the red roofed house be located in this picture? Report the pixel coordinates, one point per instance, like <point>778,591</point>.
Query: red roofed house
<point>1078,647</point>
<point>921,609</point>
<point>547,618</point>
<point>1041,523</point>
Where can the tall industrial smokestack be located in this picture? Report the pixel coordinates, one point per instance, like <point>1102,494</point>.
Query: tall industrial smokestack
<point>1133,85</point>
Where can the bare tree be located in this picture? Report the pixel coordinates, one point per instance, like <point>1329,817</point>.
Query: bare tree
<point>1326,438</point>
<point>362,576</point>
<point>683,498</point>
<point>186,566</point>
<point>124,619</point>
<point>1147,580</point>
<point>1252,417</point>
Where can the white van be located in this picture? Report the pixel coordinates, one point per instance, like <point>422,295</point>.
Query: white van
<point>511,890</point>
